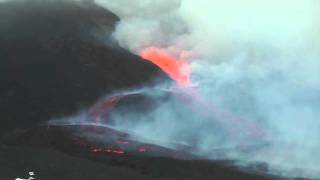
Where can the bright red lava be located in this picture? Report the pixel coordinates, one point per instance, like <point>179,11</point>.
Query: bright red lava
<point>108,150</point>
<point>177,69</point>
<point>111,150</point>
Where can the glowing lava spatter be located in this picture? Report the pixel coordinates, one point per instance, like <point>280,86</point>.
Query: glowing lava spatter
<point>177,69</point>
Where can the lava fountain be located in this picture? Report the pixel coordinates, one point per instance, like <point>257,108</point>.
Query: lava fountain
<point>176,69</point>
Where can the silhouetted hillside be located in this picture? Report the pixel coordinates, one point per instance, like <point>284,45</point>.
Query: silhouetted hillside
<point>53,62</point>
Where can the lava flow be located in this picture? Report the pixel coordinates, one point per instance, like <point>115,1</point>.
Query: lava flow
<point>177,69</point>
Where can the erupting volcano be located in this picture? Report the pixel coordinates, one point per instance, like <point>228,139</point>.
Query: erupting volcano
<point>176,89</point>
<point>177,69</point>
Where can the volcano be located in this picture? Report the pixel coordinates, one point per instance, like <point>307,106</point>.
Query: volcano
<point>57,57</point>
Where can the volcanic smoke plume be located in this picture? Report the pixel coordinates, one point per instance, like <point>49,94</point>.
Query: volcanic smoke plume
<point>251,68</point>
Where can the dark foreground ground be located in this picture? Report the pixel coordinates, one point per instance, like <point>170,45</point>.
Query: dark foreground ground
<point>51,164</point>
<point>53,62</point>
<point>51,152</point>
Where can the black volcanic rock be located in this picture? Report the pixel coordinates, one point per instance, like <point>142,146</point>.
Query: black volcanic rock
<point>53,60</point>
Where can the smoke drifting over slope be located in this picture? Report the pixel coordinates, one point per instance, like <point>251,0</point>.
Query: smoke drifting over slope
<point>258,59</point>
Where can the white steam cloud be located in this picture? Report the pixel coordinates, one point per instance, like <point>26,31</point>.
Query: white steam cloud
<point>259,59</point>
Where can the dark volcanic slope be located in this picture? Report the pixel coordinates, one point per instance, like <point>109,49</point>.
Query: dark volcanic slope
<point>52,64</point>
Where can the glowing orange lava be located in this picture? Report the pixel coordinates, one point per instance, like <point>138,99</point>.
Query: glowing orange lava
<point>108,150</point>
<point>177,69</point>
